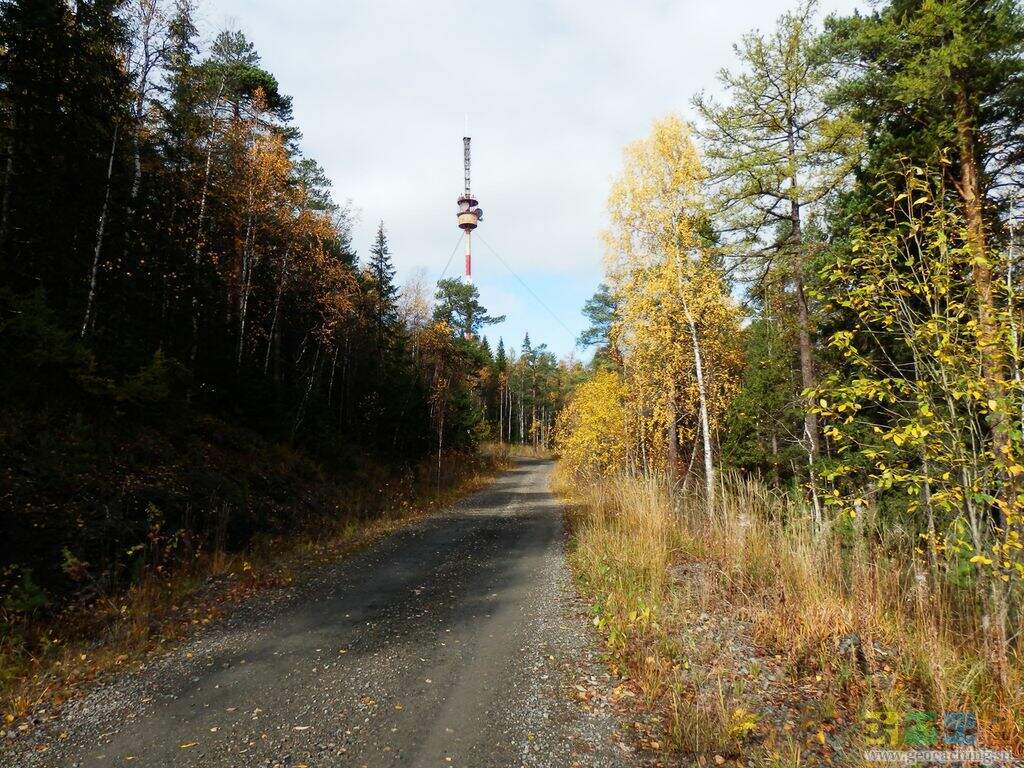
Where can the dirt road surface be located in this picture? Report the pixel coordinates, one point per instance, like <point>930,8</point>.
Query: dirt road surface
<point>454,642</point>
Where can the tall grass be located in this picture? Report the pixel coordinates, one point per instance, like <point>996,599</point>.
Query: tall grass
<point>850,606</point>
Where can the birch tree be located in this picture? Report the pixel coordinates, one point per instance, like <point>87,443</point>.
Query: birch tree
<point>674,321</point>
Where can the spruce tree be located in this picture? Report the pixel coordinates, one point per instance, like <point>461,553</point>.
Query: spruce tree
<point>382,289</point>
<point>64,98</point>
<point>500,358</point>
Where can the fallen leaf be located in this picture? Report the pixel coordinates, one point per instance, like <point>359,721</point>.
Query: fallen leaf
<point>189,745</point>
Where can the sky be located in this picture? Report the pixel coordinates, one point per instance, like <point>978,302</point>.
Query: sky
<point>552,90</point>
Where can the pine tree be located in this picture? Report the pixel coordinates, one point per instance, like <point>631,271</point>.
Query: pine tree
<point>938,84</point>
<point>599,310</point>
<point>458,305</point>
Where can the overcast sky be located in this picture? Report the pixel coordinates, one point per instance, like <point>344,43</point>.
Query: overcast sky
<point>553,90</point>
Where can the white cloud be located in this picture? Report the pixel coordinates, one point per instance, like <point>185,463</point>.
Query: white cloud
<point>553,89</point>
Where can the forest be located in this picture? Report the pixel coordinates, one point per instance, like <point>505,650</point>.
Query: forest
<point>195,356</point>
<point>807,378</point>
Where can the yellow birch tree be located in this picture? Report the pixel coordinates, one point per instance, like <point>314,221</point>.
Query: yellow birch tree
<point>676,322</point>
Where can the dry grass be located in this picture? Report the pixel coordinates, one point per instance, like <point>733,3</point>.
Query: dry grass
<point>116,631</point>
<point>802,593</point>
<point>523,450</point>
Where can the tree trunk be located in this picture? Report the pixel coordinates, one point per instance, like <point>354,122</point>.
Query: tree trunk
<point>992,364</point>
<point>440,445</point>
<point>148,14</point>
<point>5,202</point>
<point>1011,311</point>
<point>672,440</point>
<point>803,314</point>
<point>501,411</point>
<point>100,227</point>
<point>301,412</point>
<point>698,365</point>
<point>246,287</point>
<point>992,358</point>
<point>198,251</point>
<point>271,338</point>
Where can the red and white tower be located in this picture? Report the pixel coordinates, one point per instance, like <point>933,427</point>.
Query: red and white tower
<point>469,214</point>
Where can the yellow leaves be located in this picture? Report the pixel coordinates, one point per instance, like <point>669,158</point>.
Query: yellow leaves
<point>981,559</point>
<point>590,431</point>
<point>656,304</point>
<point>742,723</point>
<point>650,205</point>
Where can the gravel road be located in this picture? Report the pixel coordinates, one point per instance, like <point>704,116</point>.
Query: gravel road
<point>455,642</point>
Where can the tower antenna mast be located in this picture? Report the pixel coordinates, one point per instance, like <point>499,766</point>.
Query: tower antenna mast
<point>469,215</point>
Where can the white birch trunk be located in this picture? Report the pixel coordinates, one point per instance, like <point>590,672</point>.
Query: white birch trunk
<point>698,365</point>
<point>100,227</point>
<point>277,311</point>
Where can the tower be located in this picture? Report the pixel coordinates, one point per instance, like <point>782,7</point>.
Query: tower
<point>469,214</point>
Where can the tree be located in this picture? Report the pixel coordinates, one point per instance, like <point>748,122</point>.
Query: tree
<point>952,73</point>
<point>675,322</point>
<point>599,310</point>
<point>501,380</point>
<point>171,264</point>
<point>64,103</point>
<point>908,411</point>
<point>776,150</point>
<point>764,423</point>
<point>591,428</point>
<point>457,304</point>
<point>939,83</point>
<point>673,310</point>
<point>382,289</point>
<point>415,307</point>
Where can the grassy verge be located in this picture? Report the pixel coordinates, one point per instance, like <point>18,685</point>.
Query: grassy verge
<point>44,660</point>
<point>527,451</point>
<point>756,641</point>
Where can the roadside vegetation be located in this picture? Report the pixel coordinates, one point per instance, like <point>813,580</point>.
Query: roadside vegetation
<point>183,580</point>
<point>797,454</point>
